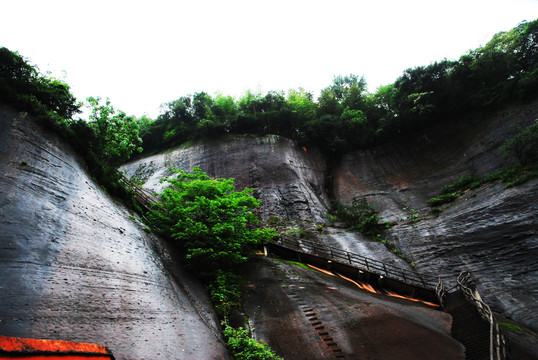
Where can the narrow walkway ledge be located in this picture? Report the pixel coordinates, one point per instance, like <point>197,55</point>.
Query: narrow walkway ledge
<point>17,348</point>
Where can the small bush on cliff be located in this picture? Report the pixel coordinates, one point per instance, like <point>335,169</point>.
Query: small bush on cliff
<point>514,175</point>
<point>451,192</point>
<point>360,215</point>
<point>464,183</point>
<point>524,145</point>
<point>443,199</point>
<point>243,347</point>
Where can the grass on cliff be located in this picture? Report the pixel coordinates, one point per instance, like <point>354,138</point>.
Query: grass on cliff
<point>510,176</point>
<point>451,192</point>
<point>361,216</point>
<point>523,146</point>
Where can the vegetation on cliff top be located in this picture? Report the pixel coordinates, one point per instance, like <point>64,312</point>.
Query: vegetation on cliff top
<point>346,117</point>
<point>343,118</point>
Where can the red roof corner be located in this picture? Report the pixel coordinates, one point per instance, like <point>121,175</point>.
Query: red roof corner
<point>11,348</point>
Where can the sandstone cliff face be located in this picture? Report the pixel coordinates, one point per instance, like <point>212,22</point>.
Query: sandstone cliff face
<point>490,231</point>
<point>74,266</point>
<point>289,180</point>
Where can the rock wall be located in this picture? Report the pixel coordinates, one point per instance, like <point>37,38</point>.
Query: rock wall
<point>289,180</point>
<point>75,266</point>
<point>490,231</point>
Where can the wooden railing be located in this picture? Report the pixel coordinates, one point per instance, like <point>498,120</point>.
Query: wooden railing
<point>441,293</point>
<point>368,264</point>
<point>497,342</point>
<point>144,197</point>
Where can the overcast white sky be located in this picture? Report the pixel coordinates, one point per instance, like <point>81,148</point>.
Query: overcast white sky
<point>141,54</point>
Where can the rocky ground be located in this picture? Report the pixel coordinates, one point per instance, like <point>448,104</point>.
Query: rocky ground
<point>303,313</point>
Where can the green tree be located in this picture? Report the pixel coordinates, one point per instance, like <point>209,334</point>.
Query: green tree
<point>348,89</point>
<point>116,135</point>
<point>302,105</point>
<point>211,222</point>
<point>22,86</point>
<point>524,145</point>
<point>356,128</point>
<point>248,106</point>
<point>225,111</point>
<point>243,347</point>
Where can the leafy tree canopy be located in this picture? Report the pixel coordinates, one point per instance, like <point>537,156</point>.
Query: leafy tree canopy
<point>346,117</point>
<point>116,135</point>
<point>212,222</point>
<point>22,86</point>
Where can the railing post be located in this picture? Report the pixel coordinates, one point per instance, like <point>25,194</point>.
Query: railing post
<point>348,257</point>
<point>385,268</point>
<point>366,263</point>
<point>491,337</point>
<point>403,274</point>
<point>331,250</point>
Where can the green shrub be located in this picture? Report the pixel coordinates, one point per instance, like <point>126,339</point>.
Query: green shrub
<point>515,175</point>
<point>360,216</point>
<point>299,231</point>
<point>243,347</point>
<point>412,217</point>
<point>523,145</point>
<point>224,292</point>
<point>451,192</point>
<point>443,199</point>
<point>465,182</point>
<point>209,220</point>
<point>331,218</point>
